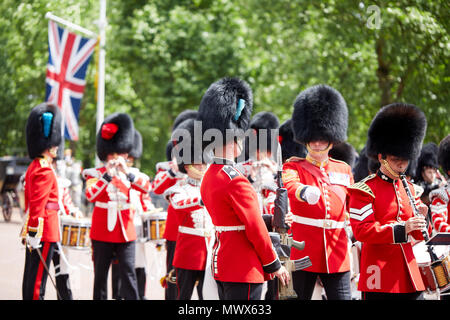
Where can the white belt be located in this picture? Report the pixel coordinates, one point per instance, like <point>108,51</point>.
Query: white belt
<point>121,205</point>
<point>229,228</point>
<point>192,231</point>
<point>320,223</point>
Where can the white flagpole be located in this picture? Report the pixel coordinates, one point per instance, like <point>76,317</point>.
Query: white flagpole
<point>70,25</point>
<point>101,70</point>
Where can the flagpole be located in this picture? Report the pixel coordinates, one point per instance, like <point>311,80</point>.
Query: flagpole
<point>70,25</point>
<point>101,70</point>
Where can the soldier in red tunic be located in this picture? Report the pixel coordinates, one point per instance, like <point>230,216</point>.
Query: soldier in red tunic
<point>194,222</point>
<point>168,175</point>
<point>317,190</point>
<point>381,216</point>
<point>41,229</point>
<point>108,187</point>
<point>243,256</point>
<point>439,198</point>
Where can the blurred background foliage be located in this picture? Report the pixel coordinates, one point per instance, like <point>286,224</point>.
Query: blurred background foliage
<point>162,55</point>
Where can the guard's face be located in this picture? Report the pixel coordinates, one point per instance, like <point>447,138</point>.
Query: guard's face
<point>319,146</point>
<point>53,151</point>
<point>397,164</point>
<point>429,174</point>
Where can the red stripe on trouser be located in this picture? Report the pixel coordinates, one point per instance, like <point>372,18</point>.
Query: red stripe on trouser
<point>248,295</point>
<point>40,272</point>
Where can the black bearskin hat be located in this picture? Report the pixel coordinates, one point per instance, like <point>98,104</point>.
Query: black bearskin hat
<point>361,169</point>
<point>169,147</point>
<point>226,105</point>
<point>116,135</point>
<point>136,151</point>
<point>344,151</point>
<point>43,129</point>
<point>184,141</point>
<point>397,129</point>
<point>269,121</point>
<point>184,115</point>
<point>289,148</point>
<point>428,158</point>
<point>444,154</point>
<point>320,113</point>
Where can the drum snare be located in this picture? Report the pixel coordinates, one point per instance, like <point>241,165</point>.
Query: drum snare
<point>75,232</point>
<point>153,226</point>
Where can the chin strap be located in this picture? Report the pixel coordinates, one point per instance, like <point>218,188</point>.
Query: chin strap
<point>390,170</point>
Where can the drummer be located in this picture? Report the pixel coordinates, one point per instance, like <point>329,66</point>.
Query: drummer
<point>380,212</point>
<point>192,240</point>
<point>113,231</point>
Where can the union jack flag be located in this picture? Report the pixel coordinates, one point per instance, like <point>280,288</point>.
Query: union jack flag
<point>68,58</point>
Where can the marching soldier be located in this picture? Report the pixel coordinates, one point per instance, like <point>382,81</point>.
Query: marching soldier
<point>41,229</point>
<point>317,190</point>
<point>440,204</point>
<point>140,202</point>
<point>167,176</point>
<point>108,187</point>
<point>243,256</point>
<point>264,168</point>
<point>380,212</point>
<point>194,222</point>
<point>427,171</point>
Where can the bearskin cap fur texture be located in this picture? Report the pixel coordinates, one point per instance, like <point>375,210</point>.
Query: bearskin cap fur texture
<point>289,148</point>
<point>37,143</point>
<point>184,115</point>
<point>397,129</point>
<point>119,142</point>
<point>136,151</point>
<point>344,151</point>
<point>444,154</point>
<point>219,106</point>
<point>269,121</point>
<point>320,113</point>
<point>185,130</point>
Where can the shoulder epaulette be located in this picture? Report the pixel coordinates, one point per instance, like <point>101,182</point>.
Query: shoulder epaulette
<point>231,172</point>
<point>362,186</point>
<point>294,159</point>
<point>339,161</point>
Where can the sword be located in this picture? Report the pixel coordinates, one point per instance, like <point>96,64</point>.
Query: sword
<point>46,269</point>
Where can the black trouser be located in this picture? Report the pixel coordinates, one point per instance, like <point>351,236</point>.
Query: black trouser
<point>272,290</point>
<point>34,274</point>
<point>103,254</point>
<point>392,296</point>
<point>171,291</point>
<point>336,285</point>
<point>141,279</point>
<point>186,280</point>
<point>62,280</point>
<point>239,290</point>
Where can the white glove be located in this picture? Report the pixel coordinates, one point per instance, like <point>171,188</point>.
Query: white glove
<point>198,219</point>
<point>33,242</point>
<point>311,194</point>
